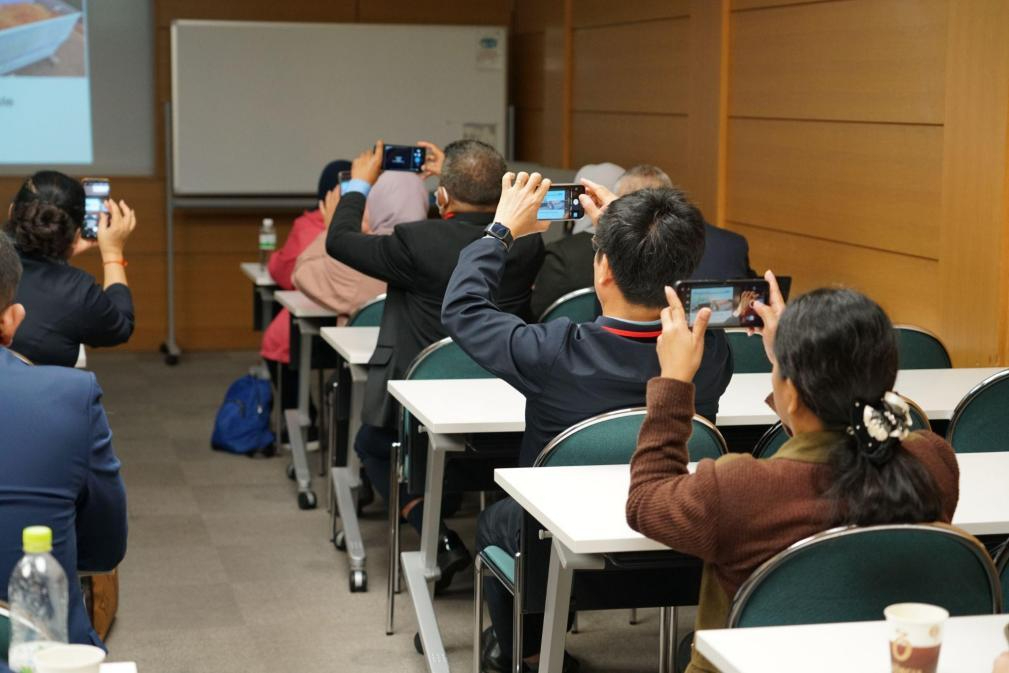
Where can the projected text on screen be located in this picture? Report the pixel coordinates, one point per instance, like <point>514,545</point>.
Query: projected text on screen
<point>45,96</point>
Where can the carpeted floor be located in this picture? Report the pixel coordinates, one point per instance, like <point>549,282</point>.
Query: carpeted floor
<point>224,573</point>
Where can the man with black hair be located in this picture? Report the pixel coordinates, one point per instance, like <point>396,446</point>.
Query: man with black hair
<point>416,261</point>
<point>57,466</point>
<point>568,372</point>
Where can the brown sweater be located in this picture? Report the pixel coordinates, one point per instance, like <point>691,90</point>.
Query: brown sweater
<point>736,512</point>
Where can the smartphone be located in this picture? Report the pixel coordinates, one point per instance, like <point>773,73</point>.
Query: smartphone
<point>561,203</point>
<point>342,178</point>
<point>403,158</point>
<point>96,191</point>
<point>730,301</point>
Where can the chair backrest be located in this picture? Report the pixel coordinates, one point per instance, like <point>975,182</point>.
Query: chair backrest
<point>981,419</point>
<point>748,355</point>
<point>370,313</point>
<point>775,437</point>
<point>1002,567</point>
<point>444,360</point>
<point>918,348</point>
<point>852,574</point>
<point>580,306</point>
<point>5,630</point>
<point>610,439</point>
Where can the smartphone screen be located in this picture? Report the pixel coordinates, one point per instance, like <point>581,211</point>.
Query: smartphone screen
<point>96,191</point>
<point>342,178</point>
<point>561,203</point>
<point>730,301</point>
<point>403,158</point>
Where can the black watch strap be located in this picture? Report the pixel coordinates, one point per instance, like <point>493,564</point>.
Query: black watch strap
<point>501,233</point>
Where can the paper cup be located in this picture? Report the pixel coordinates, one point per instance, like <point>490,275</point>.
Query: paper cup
<point>69,659</point>
<point>915,636</point>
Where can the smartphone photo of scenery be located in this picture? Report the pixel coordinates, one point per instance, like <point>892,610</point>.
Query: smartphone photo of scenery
<point>731,302</point>
<point>95,194</point>
<point>561,203</point>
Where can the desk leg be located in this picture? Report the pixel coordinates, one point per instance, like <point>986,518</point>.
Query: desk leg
<point>347,481</point>
<point>299,453</point>
<point>421,568</point>
<point>563,563</point>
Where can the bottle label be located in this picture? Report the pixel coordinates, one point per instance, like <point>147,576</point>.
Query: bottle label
<point>268,241</point>
<point>21,657</point>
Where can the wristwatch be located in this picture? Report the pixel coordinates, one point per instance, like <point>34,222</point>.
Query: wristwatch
<point>501,233</point>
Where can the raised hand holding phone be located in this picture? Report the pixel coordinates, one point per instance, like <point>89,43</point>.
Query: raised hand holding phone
<point>433,160</point>
<point>367,165</point>
<point>521,196</point>
<point>680,348</point>
<point>770,314</point>
<point>595,199</point>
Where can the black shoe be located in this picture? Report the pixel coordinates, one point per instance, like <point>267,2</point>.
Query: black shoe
<point>492,660</point>
<point>452,557</point>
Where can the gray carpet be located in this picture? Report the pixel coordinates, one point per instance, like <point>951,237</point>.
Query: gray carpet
<point>224,574</point>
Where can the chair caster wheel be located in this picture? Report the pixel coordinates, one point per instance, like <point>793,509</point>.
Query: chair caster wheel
<point>417,645</point>
<point>307,500</point>
<point>171,360</point>
<point>340,542</point>
<point>290,471</point>
<point>358,581</point>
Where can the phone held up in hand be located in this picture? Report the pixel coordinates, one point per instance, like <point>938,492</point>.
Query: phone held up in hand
<point>96,192</point>
<point>731,301</point>
<point>561,203</point>
<point>403,158</point>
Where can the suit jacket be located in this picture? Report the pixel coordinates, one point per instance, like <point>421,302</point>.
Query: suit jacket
<point>58,469</point>
<point>567,372</point>
<point>416,261</point>
<point>65,308</point>
<point>726,255</point>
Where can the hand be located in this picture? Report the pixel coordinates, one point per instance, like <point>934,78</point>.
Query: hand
<point>433,160</point>
<point>680,348</point>
<point>81,244</point>
<point>521,196</point>
<point>368,164</point>
<point>1002,663</point>
<point>113,230</point>
<point>595,199</point>
<point>328,205</point>
<point>769,314</point>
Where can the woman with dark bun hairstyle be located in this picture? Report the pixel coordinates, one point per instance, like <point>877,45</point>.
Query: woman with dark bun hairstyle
<point>852,459</point>
<point>64,305</point>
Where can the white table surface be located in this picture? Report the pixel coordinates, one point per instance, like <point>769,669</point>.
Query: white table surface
<point>119,667</point>
<point>936,391</point>
<point>969,645</point>
<point>354,344</point>
<point>258,274</point>
<point>584,506</point>
<point>301,306</point>
<point>457,406</point>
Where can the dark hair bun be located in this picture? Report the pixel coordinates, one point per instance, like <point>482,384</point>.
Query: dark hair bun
<point>48,211</point>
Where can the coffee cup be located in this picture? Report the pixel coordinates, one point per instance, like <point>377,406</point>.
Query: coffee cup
<point>69,659</point>
<point>915,636</point>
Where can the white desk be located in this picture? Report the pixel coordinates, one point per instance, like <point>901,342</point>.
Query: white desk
<point>589,520</point>
<point>258,274</point>
<point>969,645</point>
<point>936,391</point>
<point>263,287</point>
<point>119,667</point>
<point>306,315</point>
<point>447,409</point>
<point>355,345</point>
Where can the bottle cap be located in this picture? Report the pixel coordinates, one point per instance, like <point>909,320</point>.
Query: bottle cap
<point>268,221</point>
<point>37,539</point>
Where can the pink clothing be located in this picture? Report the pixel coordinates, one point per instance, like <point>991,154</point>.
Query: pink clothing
<point>277,338</point>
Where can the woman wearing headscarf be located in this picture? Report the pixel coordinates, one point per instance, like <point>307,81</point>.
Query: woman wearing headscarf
<point>567,265</point>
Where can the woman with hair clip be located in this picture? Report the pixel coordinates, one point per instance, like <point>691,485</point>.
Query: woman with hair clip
<point>851,459</point>
<point>64,305</point>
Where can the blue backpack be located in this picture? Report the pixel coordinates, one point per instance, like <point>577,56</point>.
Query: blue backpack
<point>243,421</point>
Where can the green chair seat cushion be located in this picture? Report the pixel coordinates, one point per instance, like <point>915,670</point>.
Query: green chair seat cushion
<point>500,559</point>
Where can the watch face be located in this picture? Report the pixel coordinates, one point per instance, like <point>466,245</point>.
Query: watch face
<point>499,230</point>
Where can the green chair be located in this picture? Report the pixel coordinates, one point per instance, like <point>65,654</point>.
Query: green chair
<point>1002,567</point>
<point>5,630</point>
<point>441,360</point>
<point>606,439</point>
<point>579,306</point>
<point>851,574</point>
<point>775,437</point>
<point>748,355</point>
<point>918,348</point>
<point>981,419</point>
<point>370,313</point>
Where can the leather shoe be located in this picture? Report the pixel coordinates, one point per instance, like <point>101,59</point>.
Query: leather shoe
<point>452,558</point>
<point>492,660</point>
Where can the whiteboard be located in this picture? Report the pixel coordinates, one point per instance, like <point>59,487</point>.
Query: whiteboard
<point>258,108</point>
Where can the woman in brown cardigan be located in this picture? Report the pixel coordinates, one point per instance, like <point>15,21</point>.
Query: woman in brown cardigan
<point>851,459</point>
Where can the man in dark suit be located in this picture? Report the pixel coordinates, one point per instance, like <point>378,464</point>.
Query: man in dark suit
<point>567,265</point>
<point>57,466</point>
<point>416,261</point>
<point>568,372</point>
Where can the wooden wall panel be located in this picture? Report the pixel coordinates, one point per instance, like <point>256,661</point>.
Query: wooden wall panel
<point>864,61</point>
<point>739,5</point>
<point>628,139</point>
<point>619,68</point>
<point>527,73</point>
<point>531,16</point>
<point>904,286</point>
<point>874,185</point>
<point>167,11</point>
<point>607,12</point>
<point>465,12</point>
<point>707,105</point>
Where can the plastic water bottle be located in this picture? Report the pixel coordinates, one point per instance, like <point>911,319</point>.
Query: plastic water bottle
<point>38,600</point>
<point>267,240</point>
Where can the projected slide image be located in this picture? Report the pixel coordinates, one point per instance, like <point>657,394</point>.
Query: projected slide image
<point>44,82</point>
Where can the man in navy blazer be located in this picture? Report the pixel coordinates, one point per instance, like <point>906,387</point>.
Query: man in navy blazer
<point>569,372</point>
<point>57,466</point>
